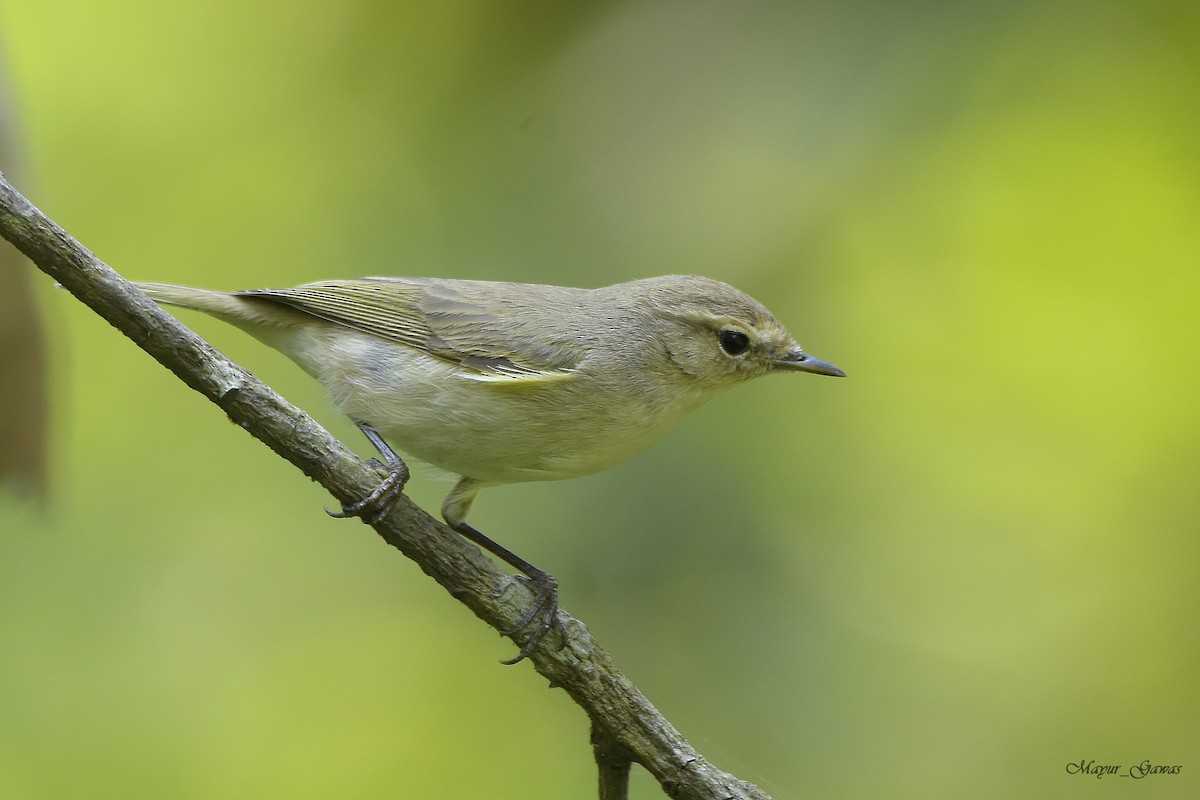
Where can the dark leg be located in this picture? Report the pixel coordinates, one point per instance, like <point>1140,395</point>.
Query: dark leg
<point>543,614</point>
<point>378,503</point>
<point>543,585</point>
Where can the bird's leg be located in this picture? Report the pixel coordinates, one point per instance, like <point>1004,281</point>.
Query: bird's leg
<point>543,614</point>
<point>378,503</point>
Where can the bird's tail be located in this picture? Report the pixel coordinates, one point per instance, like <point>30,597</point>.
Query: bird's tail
<point>251,313</point>
<point>272,323</point>
<point>207,300</point>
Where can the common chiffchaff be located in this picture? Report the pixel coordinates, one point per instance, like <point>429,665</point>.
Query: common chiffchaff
<point>506,382</point>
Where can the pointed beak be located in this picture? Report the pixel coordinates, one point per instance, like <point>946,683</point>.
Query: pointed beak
<point>802,362</point>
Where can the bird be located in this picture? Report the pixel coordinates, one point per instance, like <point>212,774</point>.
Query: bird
<point>501,382</point>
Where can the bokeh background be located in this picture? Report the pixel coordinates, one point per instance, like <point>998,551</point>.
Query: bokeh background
<point>966,566</point>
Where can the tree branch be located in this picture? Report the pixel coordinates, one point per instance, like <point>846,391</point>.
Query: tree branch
<point>613,762</point>
<point>625,725</point>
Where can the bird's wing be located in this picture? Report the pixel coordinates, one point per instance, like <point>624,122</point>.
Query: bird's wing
<point>456,325</point>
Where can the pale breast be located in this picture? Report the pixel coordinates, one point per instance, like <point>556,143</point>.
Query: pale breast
<point>431,409</point>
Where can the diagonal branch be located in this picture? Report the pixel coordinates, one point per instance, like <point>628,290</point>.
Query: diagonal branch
<point>625,725</point>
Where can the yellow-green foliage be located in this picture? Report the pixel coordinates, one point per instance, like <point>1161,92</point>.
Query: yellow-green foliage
<point>964,567</point>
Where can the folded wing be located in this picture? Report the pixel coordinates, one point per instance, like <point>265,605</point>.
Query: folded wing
<point>444,319</point>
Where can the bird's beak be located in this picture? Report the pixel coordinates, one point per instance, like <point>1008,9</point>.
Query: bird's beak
<point>802,362</point>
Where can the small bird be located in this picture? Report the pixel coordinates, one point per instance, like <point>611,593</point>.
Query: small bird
<point>503,382</point>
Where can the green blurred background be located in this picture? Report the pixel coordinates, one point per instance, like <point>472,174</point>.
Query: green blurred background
<point>967,565</point>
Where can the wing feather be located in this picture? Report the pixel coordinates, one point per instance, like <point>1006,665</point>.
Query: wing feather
<point>442,319</point>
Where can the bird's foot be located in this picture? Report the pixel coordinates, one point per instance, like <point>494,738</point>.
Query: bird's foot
<point>541,616</point>
<point>379,502</point>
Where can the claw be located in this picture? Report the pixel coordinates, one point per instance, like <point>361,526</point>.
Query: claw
<point>545,606</point>
<point>379,502</point>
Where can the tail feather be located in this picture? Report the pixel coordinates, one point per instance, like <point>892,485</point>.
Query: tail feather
<point>276,325</point>
<point>187,297</point>
<point>245,312</point>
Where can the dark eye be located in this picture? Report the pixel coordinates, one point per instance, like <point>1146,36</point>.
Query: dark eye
<point>733,342</point>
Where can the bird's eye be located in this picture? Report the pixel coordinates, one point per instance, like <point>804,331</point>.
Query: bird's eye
<point>733,342</point>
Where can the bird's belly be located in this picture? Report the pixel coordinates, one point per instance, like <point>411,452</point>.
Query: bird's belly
<point>492,432</point>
